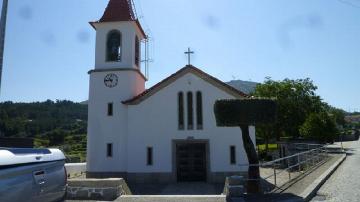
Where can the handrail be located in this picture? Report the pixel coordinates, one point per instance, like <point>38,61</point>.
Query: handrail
<point>303,161</point>
<point>288,157</point>
<point>281,159</point>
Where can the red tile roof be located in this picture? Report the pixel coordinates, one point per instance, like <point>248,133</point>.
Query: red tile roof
<point>119,10</point>
<point>189,68</point>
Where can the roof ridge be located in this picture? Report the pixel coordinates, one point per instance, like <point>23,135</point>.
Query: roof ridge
<point>165,82</point>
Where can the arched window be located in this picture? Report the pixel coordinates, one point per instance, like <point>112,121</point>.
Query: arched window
<point>113,46</point>
<point>181,110</point>
<point>199,111</point>
<point>137,51</point>
<point>190,111</point>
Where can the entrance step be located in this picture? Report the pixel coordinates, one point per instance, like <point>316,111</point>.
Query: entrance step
<point>234,186</point>
<point>172,198</point>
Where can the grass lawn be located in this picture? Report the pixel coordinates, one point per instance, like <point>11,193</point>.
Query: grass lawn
<point>272,147</point>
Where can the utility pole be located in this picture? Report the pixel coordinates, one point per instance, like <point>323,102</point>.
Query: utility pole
<point>2,36</point>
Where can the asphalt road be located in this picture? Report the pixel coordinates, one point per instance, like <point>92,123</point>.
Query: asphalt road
<point>344,184</point>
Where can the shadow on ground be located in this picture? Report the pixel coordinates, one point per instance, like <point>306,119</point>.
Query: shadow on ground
<point>191,188</point>
<point>186,188</point>
<point>268,198</point>
<point>266,186</point>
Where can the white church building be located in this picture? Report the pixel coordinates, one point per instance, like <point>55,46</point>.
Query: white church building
<point>166,133</point>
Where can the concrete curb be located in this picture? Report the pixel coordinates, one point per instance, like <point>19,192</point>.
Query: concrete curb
<point>312,189</point>
<point>172,198</point>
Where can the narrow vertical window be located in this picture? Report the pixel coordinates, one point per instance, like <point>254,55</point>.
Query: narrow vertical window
<point>110,109</point>
<point>109,150</point>
<point>113,46</point>
<point>181,111</point>
<point>190,111</point>
<point>137,51</point>
<point>232,155</point>
<point>199,111</point>
<point>149,160</point>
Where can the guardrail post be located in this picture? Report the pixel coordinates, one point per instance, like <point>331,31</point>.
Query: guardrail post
<point>326,152</point>
<point>288,167</point>
<point>274,176</point>
<point>312,158</point>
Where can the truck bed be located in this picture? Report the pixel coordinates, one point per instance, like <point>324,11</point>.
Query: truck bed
<point>32,175</point>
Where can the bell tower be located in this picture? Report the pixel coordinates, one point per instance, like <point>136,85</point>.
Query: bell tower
<point>116,77</point>
<point>118,37</point>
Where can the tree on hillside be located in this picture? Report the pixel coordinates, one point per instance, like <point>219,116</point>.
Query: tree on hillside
<point>338,115</point>
<point>32,119</point>
<point>319,126</point>
<point>245,113</point>
<point>296,100</point>
<point>60,124</point>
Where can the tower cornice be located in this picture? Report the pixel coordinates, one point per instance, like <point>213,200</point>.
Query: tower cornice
<point>118,69</point>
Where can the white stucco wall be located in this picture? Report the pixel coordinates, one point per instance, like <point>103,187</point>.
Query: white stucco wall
<point>104,129</point>
<point>154,123</point>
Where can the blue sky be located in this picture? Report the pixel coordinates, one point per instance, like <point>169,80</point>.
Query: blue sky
<point>50,45</point>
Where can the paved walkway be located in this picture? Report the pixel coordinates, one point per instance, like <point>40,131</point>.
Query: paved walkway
<point>202,188</point>
<point>344,184</point>
<point>295,189</point>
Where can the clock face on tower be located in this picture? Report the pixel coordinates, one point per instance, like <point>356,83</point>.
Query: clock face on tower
<point>111,80</point>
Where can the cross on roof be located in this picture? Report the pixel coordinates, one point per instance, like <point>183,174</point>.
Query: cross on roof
<point>189,52</point>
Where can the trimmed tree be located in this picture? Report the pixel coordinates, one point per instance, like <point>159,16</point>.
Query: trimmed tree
<point>245,113</point>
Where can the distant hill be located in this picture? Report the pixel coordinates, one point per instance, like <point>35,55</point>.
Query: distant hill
<point>84,102</point>
<point>244,86</point>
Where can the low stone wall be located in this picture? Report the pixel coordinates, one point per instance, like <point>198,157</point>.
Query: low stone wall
<point>97,189</point>
<point>160,178</point>
<point>75,169</point>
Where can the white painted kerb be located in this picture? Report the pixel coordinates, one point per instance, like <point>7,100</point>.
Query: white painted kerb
<point>75,168</point>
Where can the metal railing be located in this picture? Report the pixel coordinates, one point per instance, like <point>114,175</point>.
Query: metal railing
<point>306,147</point>
<point>275,174</point>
